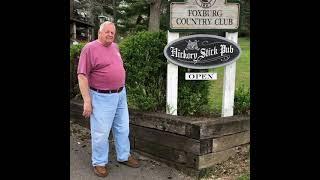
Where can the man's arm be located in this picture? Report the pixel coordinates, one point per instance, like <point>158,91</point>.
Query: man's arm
<point>84,89</point>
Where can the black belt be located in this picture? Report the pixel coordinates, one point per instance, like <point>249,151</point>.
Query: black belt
<point>107,91</point>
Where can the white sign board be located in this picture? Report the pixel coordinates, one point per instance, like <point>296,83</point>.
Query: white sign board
<point>204,14</point>
<point>201,76</point>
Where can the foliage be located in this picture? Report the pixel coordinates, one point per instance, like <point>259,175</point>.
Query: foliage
<point>75,51</point>
<point>244,177</point>
<point>242,77</point>
<point>192,95</point>
<point>133,15</point>
<point>244,18</point>
<point>146,69</point>
<point>242,100</point>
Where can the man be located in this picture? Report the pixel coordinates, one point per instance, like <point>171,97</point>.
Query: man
<point>101,77</point>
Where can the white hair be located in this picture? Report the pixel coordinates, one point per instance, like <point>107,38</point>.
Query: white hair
<point>104,24</point>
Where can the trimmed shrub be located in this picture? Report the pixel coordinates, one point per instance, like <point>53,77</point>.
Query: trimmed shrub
<point>75,51</point>
<point>146,68</point>
<point>192,95</point>
<point>145,65</point>
<point>242,100</point>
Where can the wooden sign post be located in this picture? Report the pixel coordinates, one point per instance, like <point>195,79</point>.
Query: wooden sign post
<point>172,81</point>
<point>229,80</point>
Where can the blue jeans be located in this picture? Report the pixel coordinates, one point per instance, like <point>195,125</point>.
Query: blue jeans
<point>109,111</point>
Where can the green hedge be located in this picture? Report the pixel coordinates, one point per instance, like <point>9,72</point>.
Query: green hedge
<point>146,68</point>
<point>192,95</point>
<point>145,65</point>
<point>242,100</point>
<point>75,51</point>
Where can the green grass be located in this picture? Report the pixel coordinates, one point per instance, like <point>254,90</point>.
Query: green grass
<point>244,177</point>
<point>242,76</point>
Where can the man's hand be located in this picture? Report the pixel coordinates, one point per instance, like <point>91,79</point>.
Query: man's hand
<point>87,109</point>
<point>84,89</point>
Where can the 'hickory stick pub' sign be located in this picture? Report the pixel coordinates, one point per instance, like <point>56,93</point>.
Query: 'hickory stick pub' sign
<point>202,51</point>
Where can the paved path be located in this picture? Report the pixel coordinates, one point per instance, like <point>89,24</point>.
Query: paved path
<point>81,169</point>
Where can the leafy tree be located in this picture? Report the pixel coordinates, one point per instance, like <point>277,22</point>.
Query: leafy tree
<point>244,18</point>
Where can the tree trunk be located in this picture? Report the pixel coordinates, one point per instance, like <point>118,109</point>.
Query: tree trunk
<point>114,6</point>
<point>91,17</point>
<point>154,20</point>
<point>71,8</point>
